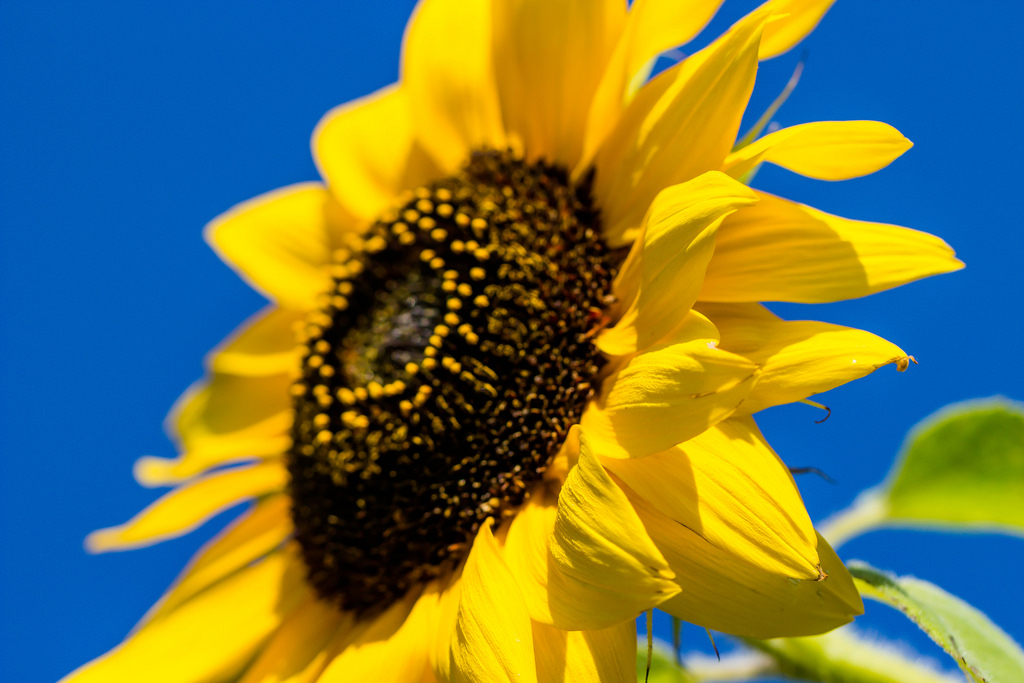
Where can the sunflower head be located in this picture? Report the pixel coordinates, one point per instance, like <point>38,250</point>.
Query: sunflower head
<point>502,399</point>
<point>441,372</point>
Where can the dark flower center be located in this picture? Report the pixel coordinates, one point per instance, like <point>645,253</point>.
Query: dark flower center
<point>442,373</point>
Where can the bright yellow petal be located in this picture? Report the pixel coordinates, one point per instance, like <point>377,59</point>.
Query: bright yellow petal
<point>608,655</point>
<point>266,527</point>
<point>448,76</point>
<point>652,26</point>
<point>224,419</point>
<point>263,345</point>
<point>827,150</point>
<point>665,396</point>
<point>549,58</point>
<point>798,358</point>
<point>493,638</point>
<point>729,487</point>
<point>447,615</point>
<point>188,506</point>
<point>278,243</point>
<point>602,566</point>
<point>301,637</point>
<point>662,276</point>
<point>680,125</point>
<point>368,153</point>
<point>348,630</point>
<point>395,646</point>
<point>526,551</point>
<point>777,250</point>
<point>210,638</point>
<point>796,19</point>
<point>725,593</point>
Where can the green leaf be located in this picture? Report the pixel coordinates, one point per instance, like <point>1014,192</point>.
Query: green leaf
<point>982,649</point>
<point>843,656</point>
<point>961,468</point>
<point>963,465</point>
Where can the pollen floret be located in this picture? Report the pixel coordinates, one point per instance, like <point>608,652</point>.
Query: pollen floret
<point>442,372</point>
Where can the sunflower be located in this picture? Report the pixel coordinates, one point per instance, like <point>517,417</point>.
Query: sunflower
<point>501,401</point>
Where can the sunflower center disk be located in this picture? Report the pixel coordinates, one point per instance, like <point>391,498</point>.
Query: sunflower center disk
<point>442,374</point>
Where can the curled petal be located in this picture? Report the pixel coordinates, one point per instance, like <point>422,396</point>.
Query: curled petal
<point>665,396</point>
<point>729,487</point>
<point>661,277</point>
<point>602,566</point>
<point>798,358</point>
<point>726,593</point>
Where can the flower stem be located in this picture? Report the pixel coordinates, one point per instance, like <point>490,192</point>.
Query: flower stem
<point>867,512</point>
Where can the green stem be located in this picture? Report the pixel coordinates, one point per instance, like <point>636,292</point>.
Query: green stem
<point>838,657</point>
<point>867,512</point>
<point>843,657</point>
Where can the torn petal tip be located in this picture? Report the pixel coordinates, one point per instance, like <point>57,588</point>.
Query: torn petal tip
<point>904,362</point>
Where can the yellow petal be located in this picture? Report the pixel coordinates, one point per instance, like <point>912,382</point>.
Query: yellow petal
<point>220,420</point>
<point>662,276</point>
<point>652,26</point>
<point>680,125</point>
<point>447,615</point>
<point>665,396</point>
<point>394,648</point>
<point>349,629</point>
<point>729,487</point>
<point>368,153</point>
<point>493,638</point>
<point>777,250</point>
<point>607,655</point>
<point>188,506</point>
<point>827,150</point>
<point>549,58</point>
<point>301,637</point>
<point>448,76</point>
<point>526,551</point>
<point>263,345</point>
<point>209,639</point>
<point>602,566</point>
<point>249,538</point>
<point>795,19</point>
<point>798,358</point>
<point>726,593</point>
<point>278,243</point>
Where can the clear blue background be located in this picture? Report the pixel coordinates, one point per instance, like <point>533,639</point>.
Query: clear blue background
<point>126,126</point>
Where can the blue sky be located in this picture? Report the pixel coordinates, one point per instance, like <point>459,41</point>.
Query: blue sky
<point>124,127</point>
